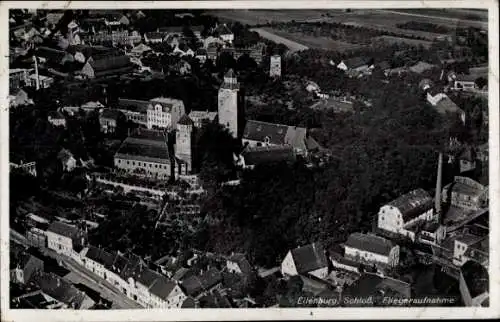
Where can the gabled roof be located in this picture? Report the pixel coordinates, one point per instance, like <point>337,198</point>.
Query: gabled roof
<point>148,146</point>
<point>162,287</point>
<point>242,262</point>
<point>61,290</point>
<point>63,229</point>
<point>223,29</point>
<point>446,105</point>
<point>383,65</point>
<point>370,243</point>
<point>309,258</point>
<point>278,134</point>
<point>194,285</point>
<point>412,204</point>
<point>185,120</point>
<point>132,104</point>
<point>109,113</point>
<point>147,277</point>
<point>267,154</point>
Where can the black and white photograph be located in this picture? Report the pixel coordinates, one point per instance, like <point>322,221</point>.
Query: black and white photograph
<point>192,157</point>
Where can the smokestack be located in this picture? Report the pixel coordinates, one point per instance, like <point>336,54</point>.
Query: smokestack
<point>37,80</point>
<point>437,198</point>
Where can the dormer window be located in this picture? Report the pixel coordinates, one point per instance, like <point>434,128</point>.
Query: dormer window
<point>267,140</point>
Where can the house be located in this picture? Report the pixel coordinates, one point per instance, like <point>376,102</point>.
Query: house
<point>465,193</point>
<point>463,82</point>
<point>134,110</point>
<point>252,156</point>
<point>467,159</point>
<point>53,57</point>
<point>91,106</point>
<point>43,81</point>
<point>108,120</point>
<point>154,37</point>
<point>63,291</point>
<point>199,285</point>
<point>200,117</point>
<point>238,264</point>
<point>224,33</point>
<point>309,259</point>
<point>146,153</point>
<point>372,250</point>
<point>166,294</point>
<point>421,67</point>
<point>444,105</point>
<point>405,212</point>
<point>164,112</point>
<point>65,239</point>
<point>67,160</point>
<point>36,300</point>
<point>340,262</point>
<point>398,71</point>
<point>469,246</point>
<point>257,133</point>
<point>23,266</point>
<point>380,291</point>
<point>98,261</point>
<point>359,64</point>
<point>109,66</point>
<point>57,118</point>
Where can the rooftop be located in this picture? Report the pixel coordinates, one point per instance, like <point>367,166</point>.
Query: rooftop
<point>369,242</point>
<point>277,134</point>
<point>412,204</point>
<point>267,154</point>
<point>63,229</point>
<point>309,258</point>
<point>140,106</point>
<point>146,146</point>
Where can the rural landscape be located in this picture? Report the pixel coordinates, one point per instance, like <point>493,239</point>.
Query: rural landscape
<point>248,158</point>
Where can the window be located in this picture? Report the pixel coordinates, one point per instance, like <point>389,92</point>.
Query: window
<point>128,162</point>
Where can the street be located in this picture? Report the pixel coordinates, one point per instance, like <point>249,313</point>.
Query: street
<point>80,275</point>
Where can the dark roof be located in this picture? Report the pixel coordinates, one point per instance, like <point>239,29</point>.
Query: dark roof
<point>355,62</point>
<point>266,154</point>
<point>278,134</point>
<point>223,29</point>
<point>108,113</point>
<point>242,262</point>
<point>309,258</point>
<point>162,287</point>
<point>194,285</point>
<point>371,243</point>
<point>370,284</point>
<point>185,120</point>
<point>101,256</point>
<point>60,289</point>
<point>150,148</point>
<point>412,204</point>
<point>51,54</point>
<point>103,64</point>
<point>384,65</point>
<point>63,229</point>
<point>147,277</point>
<point>342,260</point>
<point>189,302</point>
<point>134,105</point>
<point>446,105</point>
<point>56,115</point>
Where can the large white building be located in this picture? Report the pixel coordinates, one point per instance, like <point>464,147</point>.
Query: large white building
<point>402,214</point>
<point>164,112</point>
<point>371,250</point>
<point>228,102</point>
<point>275,66</point>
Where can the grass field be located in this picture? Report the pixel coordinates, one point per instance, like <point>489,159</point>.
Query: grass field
<point>397,40</point>
<point>279,39</point>
<point>315,42</point>
<point>255,17</point>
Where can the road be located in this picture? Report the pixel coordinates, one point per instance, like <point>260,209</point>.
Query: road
<point>483,25</point>
<point>81,275</point>
<point>292,45</point>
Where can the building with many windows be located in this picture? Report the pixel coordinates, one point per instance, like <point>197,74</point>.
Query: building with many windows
<point>164,112</point>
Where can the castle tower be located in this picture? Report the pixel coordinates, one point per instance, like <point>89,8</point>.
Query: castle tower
<point>184,142</point>
<point>228,102</point>
<point>275,66</point>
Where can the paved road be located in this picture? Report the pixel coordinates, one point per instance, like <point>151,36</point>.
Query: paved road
<point>120,300</point>
<point>455,20</point>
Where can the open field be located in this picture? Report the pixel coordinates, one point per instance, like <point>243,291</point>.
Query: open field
<point>397,40</point>
<point>315,42</point>
<point>458,13</point>
<point>256,17</point>
<point>292,45</point>
<point>425,16</point>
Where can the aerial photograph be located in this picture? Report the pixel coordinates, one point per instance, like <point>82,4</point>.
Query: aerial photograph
<point>248,158</point>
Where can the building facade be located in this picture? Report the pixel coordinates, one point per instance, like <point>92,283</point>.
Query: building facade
<point>275,66</point>
<point>164,112</point>
<point>228,109</point>
<point>371,250</point>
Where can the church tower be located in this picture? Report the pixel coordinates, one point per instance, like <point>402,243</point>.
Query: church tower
<point>275,66</point>
<point>229,103</point>
<point>184,143</point>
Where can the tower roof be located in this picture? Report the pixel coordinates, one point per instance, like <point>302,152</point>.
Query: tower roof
<point>185,120</point>
<point>230,74</point>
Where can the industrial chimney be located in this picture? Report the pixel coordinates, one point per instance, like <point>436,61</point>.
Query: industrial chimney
<point>37,80</point>
<point>439,179</point>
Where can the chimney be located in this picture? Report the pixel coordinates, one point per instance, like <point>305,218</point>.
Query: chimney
<point>36,73</point>
<point>437,197</point>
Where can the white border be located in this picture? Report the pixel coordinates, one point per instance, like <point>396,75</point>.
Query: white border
<point>256,314</point>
